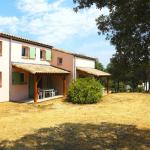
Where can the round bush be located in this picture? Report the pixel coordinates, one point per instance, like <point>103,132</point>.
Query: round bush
<point>85,91</point>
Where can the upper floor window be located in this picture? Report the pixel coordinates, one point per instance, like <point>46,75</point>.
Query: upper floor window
<point>25,52</point>
<point>59,61</point>
<point>0,48</point>
<point>0,79</point>
<point>42,54</point>
<point>28,52</point>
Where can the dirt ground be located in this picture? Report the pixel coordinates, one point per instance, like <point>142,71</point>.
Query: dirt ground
<point>119,121</point>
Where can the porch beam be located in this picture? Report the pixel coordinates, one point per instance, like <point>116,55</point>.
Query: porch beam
<point>107,84</point>
<point>35,89</point>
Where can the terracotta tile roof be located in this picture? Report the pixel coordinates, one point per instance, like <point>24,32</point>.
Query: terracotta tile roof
<point>21,39</point>
<point>13,37</point>
<point>93,71</point>
<point>34,68</point>
<point>75,54</point>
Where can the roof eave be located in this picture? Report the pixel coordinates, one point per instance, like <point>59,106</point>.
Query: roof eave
<point>8,36</point>
<point>74,54</point>
<point>83,56</point>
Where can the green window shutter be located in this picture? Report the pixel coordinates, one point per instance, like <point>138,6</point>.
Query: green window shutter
<point>16,78</point>
<point>48,55</point>
<point>32,53</point>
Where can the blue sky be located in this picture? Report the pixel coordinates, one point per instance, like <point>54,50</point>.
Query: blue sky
<point>54,22</point>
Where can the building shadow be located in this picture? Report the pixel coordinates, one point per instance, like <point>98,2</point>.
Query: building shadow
<point>76,136</point>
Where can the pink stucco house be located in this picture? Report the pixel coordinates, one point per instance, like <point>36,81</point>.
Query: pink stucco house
<point>32,70</point>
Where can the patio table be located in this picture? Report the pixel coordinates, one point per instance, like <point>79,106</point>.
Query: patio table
<point>50,91</point>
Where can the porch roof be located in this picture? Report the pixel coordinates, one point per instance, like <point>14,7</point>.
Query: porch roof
<point>94,72</point>
<point>34,68</point>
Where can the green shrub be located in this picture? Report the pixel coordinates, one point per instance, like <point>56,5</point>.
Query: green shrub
<point>85,91</point>
<point>139,89</point>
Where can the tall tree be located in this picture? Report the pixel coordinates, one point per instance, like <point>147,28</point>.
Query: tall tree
<point>128,27</point>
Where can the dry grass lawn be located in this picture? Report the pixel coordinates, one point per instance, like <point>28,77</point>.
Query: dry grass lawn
<point>119,121</point>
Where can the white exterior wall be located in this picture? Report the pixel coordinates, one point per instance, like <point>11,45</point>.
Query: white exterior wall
<point>83,62</point>
<point>4,68</point>
<point>16,54</point>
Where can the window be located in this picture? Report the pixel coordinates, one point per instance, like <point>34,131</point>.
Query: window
<point>25,52</point>
<point>59,61</point>
<point>42,54</point>
<point>18,78</point>
<point>0,48</point>
<point>22,77</point>
<point>0,79</point>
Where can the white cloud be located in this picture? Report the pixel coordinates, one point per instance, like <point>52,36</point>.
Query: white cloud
<point>38,6</point>
<point>55,24</point>
<point>8,20</point>
<point>8,23</point>
<point>33,6</point>
<point>52,23</point>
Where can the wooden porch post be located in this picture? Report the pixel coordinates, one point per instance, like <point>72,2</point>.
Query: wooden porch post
<point>107,84</point>
<point>35,89</point>
<point>64,86</point>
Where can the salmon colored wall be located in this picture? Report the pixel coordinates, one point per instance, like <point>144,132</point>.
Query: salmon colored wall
<point>20,92</point>
<point>67,64</point>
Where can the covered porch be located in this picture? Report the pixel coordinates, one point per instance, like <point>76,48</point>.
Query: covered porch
<point>44,81</point>
<point>91,72</point>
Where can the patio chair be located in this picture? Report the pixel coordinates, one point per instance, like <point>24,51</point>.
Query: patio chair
<point>56,92</point>
<point>51,93</point>
<point>40,94</point>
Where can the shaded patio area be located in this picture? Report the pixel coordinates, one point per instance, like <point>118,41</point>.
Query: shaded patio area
<point>44,81</point>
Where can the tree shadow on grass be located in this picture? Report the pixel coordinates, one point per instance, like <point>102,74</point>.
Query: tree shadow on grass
<point>75,136</point>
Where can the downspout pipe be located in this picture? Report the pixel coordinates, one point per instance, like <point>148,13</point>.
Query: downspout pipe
<point>10,68</point>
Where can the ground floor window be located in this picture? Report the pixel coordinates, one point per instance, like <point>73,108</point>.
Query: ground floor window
<point>0,79</point>
<point>18,78</point>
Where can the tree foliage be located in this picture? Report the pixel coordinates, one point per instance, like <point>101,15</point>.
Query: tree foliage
<point>98,65</point>
<point>127,26</point>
